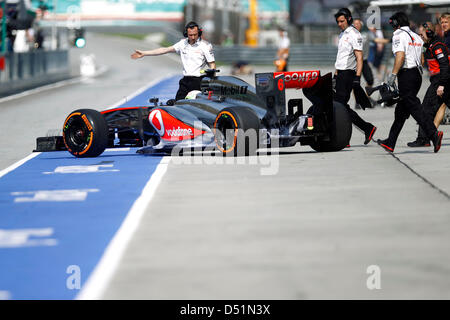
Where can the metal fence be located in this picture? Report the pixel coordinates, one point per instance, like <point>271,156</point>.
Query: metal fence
<point>31,69</point>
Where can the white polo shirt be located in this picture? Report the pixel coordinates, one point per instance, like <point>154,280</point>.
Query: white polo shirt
<point>411,44</point>
<point>349,40</point>
<point>284,42</point>
<point>194,57</point>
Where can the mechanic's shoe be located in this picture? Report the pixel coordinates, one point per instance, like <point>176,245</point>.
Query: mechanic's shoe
<point>418,143</point>
<point>369,134</point>
<point>384,145</point>
<point>437,140</point>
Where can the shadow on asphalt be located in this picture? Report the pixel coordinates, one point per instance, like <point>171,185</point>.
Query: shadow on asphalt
<point>311,151</point>
<point>218,154</point>
<point>360,146</point>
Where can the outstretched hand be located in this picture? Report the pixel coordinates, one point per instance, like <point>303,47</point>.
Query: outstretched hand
<point>137,54</point>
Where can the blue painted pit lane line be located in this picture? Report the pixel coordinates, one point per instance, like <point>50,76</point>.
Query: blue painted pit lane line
<point>65,221</point>
<point>164,89</point>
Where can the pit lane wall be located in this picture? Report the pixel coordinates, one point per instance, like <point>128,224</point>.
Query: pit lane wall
<point>300,54</point>
<point>28,70</point>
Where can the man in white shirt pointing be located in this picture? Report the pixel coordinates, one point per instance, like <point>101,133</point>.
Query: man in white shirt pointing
<point>196,55</point>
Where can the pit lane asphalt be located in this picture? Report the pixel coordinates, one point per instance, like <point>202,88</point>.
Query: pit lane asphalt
<point>310,230</point>
<point>313,229</point>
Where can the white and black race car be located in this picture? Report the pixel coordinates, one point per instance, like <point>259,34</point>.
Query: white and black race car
<point>227,115</point>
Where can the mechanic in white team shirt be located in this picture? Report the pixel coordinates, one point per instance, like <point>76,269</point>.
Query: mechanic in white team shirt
<point>196,55</point>
<point>407,69</point>
<point>349,65</point>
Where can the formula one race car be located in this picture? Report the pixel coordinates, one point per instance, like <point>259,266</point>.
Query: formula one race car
<point>228,116</point>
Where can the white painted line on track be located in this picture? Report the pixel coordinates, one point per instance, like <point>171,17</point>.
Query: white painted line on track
<point>63,83</point>
<point>117,149</point>
<point>104,270</point>
<point>99,279</point>
<point>18,164</point>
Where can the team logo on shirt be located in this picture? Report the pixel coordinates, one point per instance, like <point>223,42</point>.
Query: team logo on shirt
<point>414,44</point>
<point>439,53</point>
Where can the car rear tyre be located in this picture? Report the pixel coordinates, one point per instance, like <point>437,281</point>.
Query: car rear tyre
<point>85,133</point>
<point>340,131</point>
<point>236,131</point>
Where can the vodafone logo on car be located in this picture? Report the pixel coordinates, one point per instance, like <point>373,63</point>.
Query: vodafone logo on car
<point>155,119</point>
<point>179,132</point>
<point>170,128</point>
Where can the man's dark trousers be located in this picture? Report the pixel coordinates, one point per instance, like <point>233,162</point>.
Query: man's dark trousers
<point>344,87</point>
<point>409,82</point>
<point>430,105</point>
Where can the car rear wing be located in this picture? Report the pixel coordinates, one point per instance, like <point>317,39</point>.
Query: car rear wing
<point>271,88</point>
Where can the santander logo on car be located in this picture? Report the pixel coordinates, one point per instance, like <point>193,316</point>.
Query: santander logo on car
<point>299,79</point>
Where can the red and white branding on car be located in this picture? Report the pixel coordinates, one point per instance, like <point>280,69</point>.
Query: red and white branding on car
<point>155,119</point>
<point>170,128</point>
<point>299,79</point>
